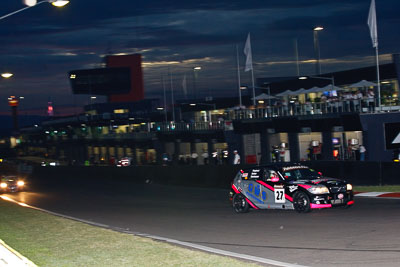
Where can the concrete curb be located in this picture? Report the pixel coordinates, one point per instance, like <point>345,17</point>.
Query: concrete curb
<point>378,194</point>
<point>11,258</point>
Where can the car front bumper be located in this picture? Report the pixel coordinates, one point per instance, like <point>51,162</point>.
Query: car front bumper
<point>332,200</point>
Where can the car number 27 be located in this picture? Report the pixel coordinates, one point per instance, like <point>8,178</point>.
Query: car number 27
<point>280,195</point>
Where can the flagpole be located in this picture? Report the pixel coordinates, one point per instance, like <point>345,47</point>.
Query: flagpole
<point>249,65</point>
<point>254,88</point>
<point>373,28</point>
<point>378,76</point>
<point>296,54</point>
<point>165,99</point>
<point>184,86</point>
<point>238,74</point>
<point>172,96</point>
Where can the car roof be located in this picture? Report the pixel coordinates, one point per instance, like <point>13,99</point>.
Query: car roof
<point>277,165</point>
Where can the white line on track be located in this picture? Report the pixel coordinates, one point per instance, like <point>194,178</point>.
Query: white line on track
<point>168,240</point>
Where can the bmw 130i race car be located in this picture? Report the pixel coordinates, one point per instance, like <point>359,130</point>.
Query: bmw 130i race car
<point>11,184</point>
<point>288,186</point>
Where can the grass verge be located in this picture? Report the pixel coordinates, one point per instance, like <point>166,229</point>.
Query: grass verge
<point>378,188</point>
<point>49,240</point>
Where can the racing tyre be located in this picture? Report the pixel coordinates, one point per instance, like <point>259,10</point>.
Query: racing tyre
<point>240,204</point>
<point>301,202</point>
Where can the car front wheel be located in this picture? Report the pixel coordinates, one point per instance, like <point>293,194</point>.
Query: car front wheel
<point>240,204</point>
<point>301,202</point>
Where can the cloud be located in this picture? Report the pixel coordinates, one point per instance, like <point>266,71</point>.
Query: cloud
<point>43,43</point>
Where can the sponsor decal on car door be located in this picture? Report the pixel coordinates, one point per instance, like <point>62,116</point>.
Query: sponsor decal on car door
<point>279,193</point>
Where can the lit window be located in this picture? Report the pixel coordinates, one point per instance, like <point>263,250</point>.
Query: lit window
<point>120,111</point>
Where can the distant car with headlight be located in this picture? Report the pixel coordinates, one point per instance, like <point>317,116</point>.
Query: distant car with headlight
<point>288,186</point>
<point>11,184</point>
<point>124,162</point>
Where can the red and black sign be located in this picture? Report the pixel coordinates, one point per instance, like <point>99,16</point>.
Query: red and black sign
<point>13,101</point>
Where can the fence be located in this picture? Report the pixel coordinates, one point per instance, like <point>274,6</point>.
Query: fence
<point>357,173</point>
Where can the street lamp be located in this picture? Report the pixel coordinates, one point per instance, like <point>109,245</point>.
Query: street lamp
<point>6,75</point>
<point>197,68</point>
<point>316,49</point>
<point>58,3</point>
<point>32,3</point>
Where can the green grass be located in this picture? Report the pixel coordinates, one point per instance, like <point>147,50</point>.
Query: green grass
<point>383,188</point>
<point>49,240</point>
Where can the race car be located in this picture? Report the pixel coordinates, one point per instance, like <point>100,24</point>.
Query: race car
<point>11,184</point>
<point>288,187</point>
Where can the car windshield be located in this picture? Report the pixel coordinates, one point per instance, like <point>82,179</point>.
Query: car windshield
<point>301,174</point>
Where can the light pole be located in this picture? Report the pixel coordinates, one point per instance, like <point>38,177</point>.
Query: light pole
<point>317,50</point>
<point>57,3</point>
<point>197,68</point>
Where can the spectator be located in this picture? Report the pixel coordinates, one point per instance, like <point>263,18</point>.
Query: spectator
<point>194,158</point>
<point>282,152</point>
<point>236,157</point>
<point>371,100</point>
<point>215,157</point>
<point>276,153</point>
<point>285,108</point>
<point>181,159</point>
<point>188,159</point>
<point>165,159</point>
<point>357,97</point>
<point>205,157</point>
<point>362,150</point>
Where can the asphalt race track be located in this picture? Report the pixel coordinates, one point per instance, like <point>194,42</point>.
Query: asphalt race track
<point>367,234</point>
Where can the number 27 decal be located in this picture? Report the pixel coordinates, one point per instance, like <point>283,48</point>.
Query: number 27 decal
<point>280,195</point>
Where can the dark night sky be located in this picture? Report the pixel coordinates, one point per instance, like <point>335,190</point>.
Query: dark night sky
<point>40,45</point>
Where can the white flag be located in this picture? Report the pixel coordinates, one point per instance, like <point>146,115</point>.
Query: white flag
<point>184,86</point>
<point>372,24</point>
<point>247,52</point>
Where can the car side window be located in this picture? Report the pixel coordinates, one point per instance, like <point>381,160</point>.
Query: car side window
<point>273,174</point>
<point>292,175</point>
<point>265,175</point>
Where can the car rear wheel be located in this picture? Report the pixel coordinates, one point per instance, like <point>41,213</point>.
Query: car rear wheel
<point>301,202</point>
<point>240,204</point>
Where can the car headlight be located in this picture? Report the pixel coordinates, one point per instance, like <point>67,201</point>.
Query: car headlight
<point>316,190</point>
<point>20,183</point>
<point>3,185</point>
<point>349,187</point>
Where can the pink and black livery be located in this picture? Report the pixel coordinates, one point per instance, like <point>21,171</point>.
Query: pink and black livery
<point>288,186</point>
